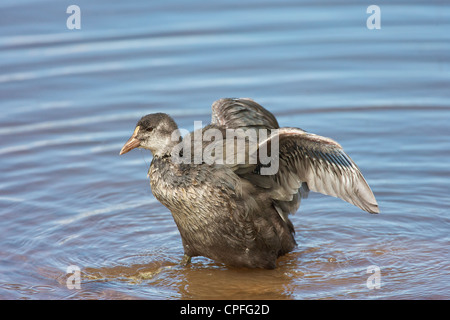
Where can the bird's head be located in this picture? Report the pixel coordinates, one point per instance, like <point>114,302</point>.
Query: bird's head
<point>153,132</point>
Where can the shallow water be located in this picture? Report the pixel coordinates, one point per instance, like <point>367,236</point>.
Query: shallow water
<point>71,98</point>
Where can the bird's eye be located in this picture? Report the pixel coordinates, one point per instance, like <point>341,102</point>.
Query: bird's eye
<point>149,129</point>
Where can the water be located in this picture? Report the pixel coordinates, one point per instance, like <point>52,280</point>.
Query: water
<point>71,98</point>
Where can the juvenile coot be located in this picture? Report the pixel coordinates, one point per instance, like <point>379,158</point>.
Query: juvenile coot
<point>230,211</point>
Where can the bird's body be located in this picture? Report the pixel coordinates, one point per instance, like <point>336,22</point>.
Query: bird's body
<point>230,212</point>
<point>220,215</point>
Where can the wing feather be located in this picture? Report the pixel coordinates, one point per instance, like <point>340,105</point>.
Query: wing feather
<point>240,113</point>
<point>323,165</point>
<point>306,161</point>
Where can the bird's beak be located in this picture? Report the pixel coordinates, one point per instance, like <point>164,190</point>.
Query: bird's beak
<point>132,143</point>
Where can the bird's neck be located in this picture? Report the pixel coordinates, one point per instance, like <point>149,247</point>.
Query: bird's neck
<point>165,149</point>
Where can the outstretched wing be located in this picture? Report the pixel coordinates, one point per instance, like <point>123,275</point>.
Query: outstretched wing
<point>241,113</point>
<point>306,161</point>
<point>322,164</point>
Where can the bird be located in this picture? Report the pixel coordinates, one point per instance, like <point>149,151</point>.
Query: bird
<point>233,212</point>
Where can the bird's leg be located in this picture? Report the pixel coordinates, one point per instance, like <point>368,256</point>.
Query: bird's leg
<point>186,260</point>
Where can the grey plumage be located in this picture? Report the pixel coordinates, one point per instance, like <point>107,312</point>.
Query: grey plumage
<point>232,213</point>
